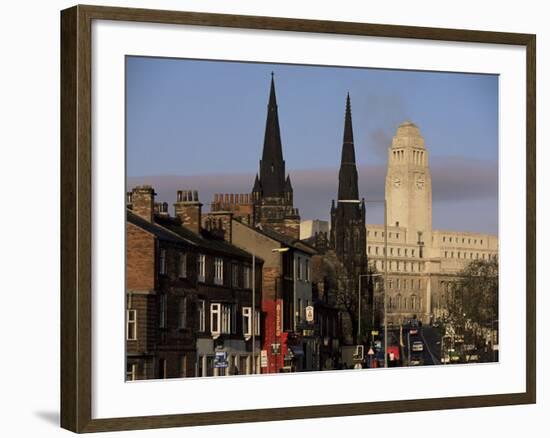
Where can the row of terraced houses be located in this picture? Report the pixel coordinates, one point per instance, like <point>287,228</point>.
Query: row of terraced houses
<point>228,291</point>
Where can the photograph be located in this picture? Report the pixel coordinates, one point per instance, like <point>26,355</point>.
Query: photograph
<point>302,218</point>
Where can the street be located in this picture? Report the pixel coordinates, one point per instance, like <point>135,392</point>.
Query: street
<point>431,340</point>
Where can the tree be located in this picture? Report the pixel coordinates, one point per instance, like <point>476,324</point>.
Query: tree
<point>474,296</point>
<point>343,285</point>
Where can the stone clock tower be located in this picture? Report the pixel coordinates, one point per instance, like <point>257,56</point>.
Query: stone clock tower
<point>409,185</point>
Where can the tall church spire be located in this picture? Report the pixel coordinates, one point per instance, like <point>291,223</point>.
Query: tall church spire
<point>272,165</point>
<point>347,178</point>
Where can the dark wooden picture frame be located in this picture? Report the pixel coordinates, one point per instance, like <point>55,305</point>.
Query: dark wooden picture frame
<point>76,218</point>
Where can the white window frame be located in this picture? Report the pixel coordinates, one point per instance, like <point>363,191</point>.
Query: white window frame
<point>235,275</point>
<point>131,375</point>
<point>226,314</point>
<point>215,311</point>
<point>201,267</point>
<point>163,308</point>
<point>201,307</point>
<point>183,365</point>
<point>131,321</point>
<point>218,270</point>
<point>182,265</point>
<point>162,261</point>
<point>247,326</point>
<point>182,313</point>
<point>247,274</point>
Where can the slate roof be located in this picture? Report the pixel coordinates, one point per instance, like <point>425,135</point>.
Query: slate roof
<point>297,244</point>
<point>169,229</point>
<point>203,240</point>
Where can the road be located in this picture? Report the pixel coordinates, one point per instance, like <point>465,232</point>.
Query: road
<point>431,338</point>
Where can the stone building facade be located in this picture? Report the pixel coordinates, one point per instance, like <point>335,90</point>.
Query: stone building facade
<point>421,261</point>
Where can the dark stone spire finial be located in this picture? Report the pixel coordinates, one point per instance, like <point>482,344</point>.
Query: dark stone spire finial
<point>272,165</point>
<point>347,179</point>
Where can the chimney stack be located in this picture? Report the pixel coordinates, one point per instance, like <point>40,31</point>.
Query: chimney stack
<point>161,209</point>
<point>188,209</point>
<point>143,201</point>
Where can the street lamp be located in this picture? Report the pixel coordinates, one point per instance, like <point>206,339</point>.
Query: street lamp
<point>359,301</point>
<point>357,201</point>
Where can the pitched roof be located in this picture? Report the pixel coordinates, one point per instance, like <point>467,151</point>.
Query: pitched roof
<point>155,229</point>
<point>291,242</point>
<point>169,229</point>
<point>203,240</point>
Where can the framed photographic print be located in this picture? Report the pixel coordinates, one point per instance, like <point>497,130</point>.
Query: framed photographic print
<point>268,218</point>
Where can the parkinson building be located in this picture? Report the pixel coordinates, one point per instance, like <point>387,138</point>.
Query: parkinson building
<point>422,262</point>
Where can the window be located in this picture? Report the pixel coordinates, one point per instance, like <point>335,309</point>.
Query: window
<point>226,319</point>
<point>131,325</point>
<point>182,266</point>
<point>405,252</point>
<point>308,273</point>
<point>222,318</point>
<point>299,267</point>
<point>183,366</point>
<point>376,250</point>
<point>162,374</point>
<point>247,329</point>
<point>163,306</point>
<point>391,251</point>
<point>182,313</point>
<point>412,252</point>
<point>247,277</point>
<point>201,261</point>
<point>235,275</point>
<point>162,261</point>
<point>398,251</point>
<point>131,371</point>
<point>218,270</point>
<point>215,318</point>
<point>445,254</point>
<point>201,315</point>
<point>247,322</point>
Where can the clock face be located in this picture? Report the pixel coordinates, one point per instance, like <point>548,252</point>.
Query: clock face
<point>420,181</point>
<point>396,182</point>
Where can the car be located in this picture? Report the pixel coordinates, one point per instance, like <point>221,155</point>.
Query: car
<point>413,331</point>
<point>416,360</point>
<point>417,346</point>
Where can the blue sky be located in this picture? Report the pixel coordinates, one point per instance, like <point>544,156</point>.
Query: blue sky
<point>190,122</point>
